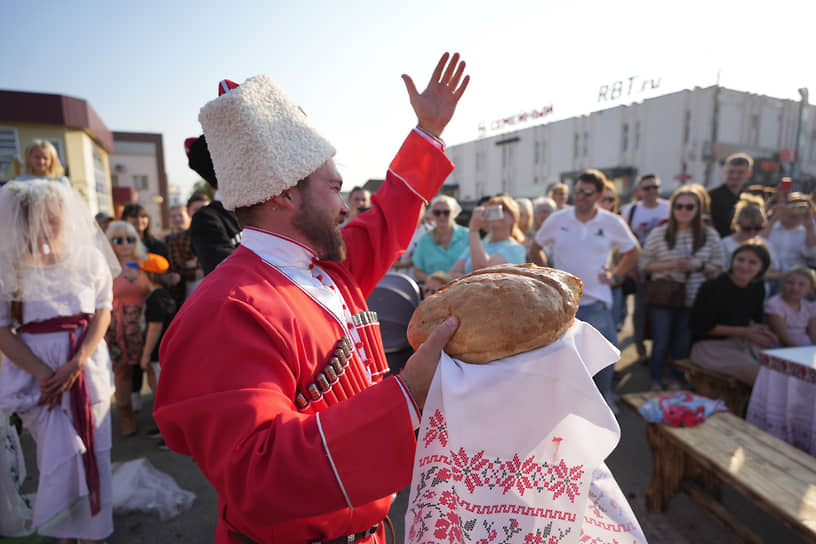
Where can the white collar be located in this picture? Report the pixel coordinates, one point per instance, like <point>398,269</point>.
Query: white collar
<point>278,250</point>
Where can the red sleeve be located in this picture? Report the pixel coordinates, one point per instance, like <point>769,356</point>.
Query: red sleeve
<point>228,405</point>
<point>377,237</point>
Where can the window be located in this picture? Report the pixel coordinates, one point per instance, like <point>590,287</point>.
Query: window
<point>8,150</point>
<point>586,143</point>
<point>100,176</point>
<point>575,144</point>
<point>537,153</point>
<point>625,138</point>
<point>637,135</point>
<point>687,127</point>
<point>139,182</point>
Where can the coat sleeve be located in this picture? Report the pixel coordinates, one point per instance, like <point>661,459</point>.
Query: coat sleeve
<point>377,237</point>
<point>210,240</point>
<point>227,404</point>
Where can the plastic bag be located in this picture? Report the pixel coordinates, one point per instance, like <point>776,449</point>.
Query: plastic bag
<point>139,486</point>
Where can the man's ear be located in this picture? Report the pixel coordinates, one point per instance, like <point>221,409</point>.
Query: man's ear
<point>286,200</point>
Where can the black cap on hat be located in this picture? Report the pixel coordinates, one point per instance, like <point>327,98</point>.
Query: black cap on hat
<point>199,160</point>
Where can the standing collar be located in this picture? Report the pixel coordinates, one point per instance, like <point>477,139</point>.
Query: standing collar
<point>277,249</point>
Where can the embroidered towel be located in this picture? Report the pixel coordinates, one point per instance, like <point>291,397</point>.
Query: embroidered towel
<point>513,451</point>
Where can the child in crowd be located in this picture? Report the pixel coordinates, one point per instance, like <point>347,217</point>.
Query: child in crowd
<point>434,282</point>
<point>160,307</point>
<point>159,311</point>
<point>789,314</point>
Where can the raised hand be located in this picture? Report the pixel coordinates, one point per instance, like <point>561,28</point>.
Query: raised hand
<point>434,107</point>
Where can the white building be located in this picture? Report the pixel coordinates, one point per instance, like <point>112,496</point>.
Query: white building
<point>669,135</point>
<point>137,163</point>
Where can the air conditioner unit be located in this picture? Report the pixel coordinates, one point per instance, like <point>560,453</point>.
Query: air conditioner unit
<point>120,168</point>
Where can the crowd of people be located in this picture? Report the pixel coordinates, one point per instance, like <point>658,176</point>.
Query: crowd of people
<point>684,260</point>
<point>89,307</point>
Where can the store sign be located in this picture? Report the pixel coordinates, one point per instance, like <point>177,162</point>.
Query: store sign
<point>500,124</point>
<point>627,87</point>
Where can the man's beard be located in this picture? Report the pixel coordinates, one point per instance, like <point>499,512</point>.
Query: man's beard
<point>321,231</point>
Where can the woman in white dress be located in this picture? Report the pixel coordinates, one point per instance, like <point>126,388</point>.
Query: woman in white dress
<point>55,300</point>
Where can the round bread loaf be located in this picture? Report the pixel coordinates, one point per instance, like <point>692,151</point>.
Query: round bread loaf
<point>503,310</point>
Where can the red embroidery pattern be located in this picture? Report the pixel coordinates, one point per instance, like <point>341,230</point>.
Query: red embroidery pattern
<point>790,368</point>
<point>437,428</point>
<point>436,509</point>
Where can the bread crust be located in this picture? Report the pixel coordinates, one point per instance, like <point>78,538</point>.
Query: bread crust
<point>503,310</point>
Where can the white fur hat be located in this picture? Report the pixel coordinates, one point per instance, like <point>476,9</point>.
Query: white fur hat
<point>260,142</point>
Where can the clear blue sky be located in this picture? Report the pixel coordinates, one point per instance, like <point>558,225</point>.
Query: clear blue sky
<point>150,66</point>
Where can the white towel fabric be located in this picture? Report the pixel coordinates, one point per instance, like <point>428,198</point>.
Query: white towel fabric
<point>513,451</point>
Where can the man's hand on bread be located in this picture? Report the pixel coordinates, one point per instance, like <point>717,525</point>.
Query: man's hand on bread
<point>421,366</point>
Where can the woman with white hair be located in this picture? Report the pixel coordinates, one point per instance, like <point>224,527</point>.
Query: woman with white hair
<point>55,304</point>
<point>438,249</point>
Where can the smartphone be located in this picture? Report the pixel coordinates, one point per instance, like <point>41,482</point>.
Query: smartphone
<point>785,186</point>
<point>495,212</point>
<point>799,207</point>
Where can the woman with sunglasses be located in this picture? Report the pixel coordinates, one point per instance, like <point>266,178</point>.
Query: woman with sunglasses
<point>125,335</point>
<point>748,224</point>
<point>504,240</point>
<point>687,251</point>
<point>611,202</point>
<point>438,249</point>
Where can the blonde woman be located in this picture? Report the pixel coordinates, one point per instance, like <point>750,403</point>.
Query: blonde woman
<point>748,224</point>
<point>42,161</point>
<point>125,335</point>
<point>560,194</point>
<point>504,239</point>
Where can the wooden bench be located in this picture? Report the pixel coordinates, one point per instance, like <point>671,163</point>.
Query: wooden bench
<point>716,385</point>
<point>771,473</point>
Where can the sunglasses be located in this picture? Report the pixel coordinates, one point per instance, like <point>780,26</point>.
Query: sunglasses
<point>585,193</point>
<point>607,199</point>
<point>751,228</point>
<point>439,213</point>
<point>649,187</point>
<point>687,207</point>
<point>119,240</point>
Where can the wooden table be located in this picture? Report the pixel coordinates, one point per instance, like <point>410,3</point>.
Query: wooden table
<point>770,472</point>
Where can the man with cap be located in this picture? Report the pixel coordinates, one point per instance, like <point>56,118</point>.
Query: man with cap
<point>273,372</point>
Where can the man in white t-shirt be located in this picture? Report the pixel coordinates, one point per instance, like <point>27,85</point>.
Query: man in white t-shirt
<point>642,217</point>
<point>582,238</point>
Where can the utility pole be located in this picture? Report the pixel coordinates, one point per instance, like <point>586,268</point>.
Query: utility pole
<point>801,132</point>
<point>715,120</point>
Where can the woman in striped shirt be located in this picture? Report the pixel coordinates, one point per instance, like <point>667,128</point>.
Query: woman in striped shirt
<point>685,250</point>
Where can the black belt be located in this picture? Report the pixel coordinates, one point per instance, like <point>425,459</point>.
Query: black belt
<point>349,539</point>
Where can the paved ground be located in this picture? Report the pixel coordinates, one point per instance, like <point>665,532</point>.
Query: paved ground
<point>631,463</point>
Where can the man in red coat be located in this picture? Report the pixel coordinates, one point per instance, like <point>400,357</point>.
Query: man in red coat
<point>273,373</point>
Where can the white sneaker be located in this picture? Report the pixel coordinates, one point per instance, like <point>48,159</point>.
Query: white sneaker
<point>612,402</point>
<point>136,402</point>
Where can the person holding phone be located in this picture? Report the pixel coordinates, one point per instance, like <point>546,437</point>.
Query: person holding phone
<point>791,232</point>
<point>503,244</point>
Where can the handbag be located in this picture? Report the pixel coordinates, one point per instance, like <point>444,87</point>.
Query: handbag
<point>665,293</point>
